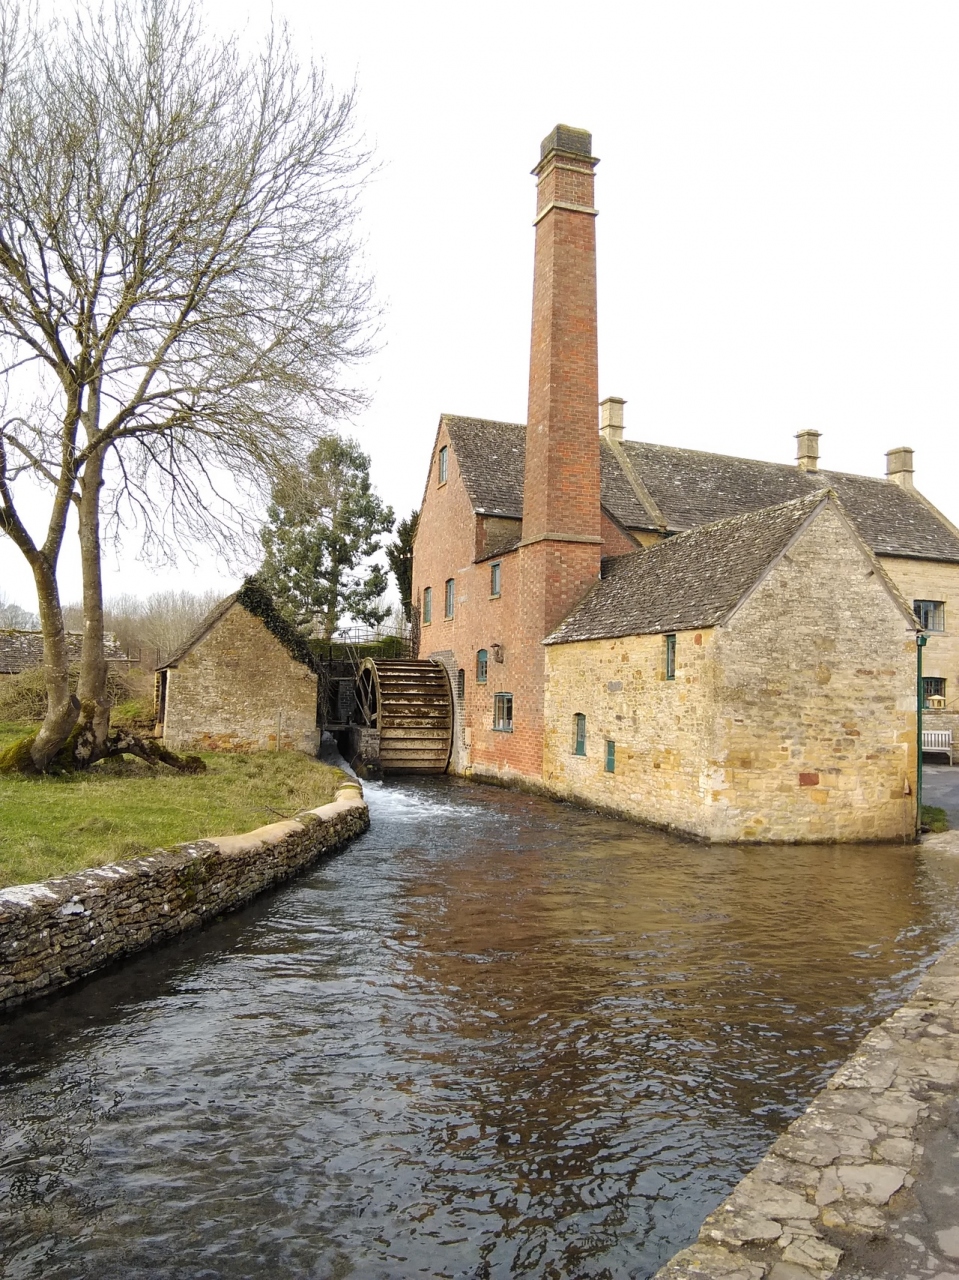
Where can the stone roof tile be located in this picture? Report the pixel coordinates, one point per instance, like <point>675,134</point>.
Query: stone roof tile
<point>694,579</point>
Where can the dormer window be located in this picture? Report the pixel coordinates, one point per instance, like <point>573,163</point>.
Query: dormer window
<point>442,464</point>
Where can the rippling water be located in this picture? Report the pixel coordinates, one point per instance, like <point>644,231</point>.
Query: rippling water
<point>495,1037</point>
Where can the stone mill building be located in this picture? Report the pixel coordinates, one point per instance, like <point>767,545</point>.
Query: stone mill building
<point>717,645</point>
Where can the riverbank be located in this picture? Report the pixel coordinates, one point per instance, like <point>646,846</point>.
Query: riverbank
<point>58,931</point>
<point>123,809</point>
<point>864,1184</point>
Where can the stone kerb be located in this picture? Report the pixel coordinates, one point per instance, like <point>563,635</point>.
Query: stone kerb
<point>56,932</point>
<point>839,1179</point>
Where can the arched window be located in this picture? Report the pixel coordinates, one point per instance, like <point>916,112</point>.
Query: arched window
<point>579,734</point>
<point>482,661</point>
<point>461,683</point>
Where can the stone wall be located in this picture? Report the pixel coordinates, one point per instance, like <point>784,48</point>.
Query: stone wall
<point>933,580</point>
<point>794,722</point>
<point>838,1190</point>
<point>54,933</point>
<point>240,689</point>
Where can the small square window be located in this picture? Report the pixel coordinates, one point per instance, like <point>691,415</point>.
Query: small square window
<point>610,756</point>
<point>449,598</point>
<point>494,579</point>
<point>931,614</point>
<point>933,693</point>
<point>482,662</point>
<point>671,657</point>
<point>427,606</point>
<point>579,734</point>
<point>503,712</point>
<point>442,464</point>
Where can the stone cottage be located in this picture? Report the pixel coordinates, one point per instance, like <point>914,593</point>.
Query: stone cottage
<point>244,681</point>
<point>518,519</point>
<point>716,684</point>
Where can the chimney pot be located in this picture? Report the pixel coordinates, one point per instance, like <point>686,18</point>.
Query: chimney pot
<point>576,142</point>
<point>899,467</point>
<point>807,450</point>
<point>611,418</point>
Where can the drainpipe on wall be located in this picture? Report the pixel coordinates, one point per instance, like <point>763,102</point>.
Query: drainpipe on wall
<point>921,639</point>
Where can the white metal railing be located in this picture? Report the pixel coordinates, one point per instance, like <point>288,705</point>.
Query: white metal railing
<point>938,740</point>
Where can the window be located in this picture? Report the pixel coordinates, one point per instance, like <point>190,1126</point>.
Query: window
<point>933,687</point>
<point>670,657</point>
<point>610,756</point>
<point>482,662</point>
<point>494,579</point>
<point>448,599</point>
<point>427,606</point>
<point>579,734</point>
<point>442,463</point>
<point>461,684</point>
<point>931,614</point>
<point>503,712</point>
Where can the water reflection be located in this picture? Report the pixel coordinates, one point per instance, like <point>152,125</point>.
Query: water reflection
<point>498,1037</point>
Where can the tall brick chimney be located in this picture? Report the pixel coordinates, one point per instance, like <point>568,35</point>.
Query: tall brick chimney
<point>561,487</point>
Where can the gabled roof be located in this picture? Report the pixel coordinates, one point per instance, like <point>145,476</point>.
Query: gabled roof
<point>692,580</point>
<point>690,487</point>
<point>256,600</point>
<point>492,456</point>
<point>693,488</point>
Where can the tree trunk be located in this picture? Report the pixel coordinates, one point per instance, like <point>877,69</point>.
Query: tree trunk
<point>92,690</point>
<point>62,708</point>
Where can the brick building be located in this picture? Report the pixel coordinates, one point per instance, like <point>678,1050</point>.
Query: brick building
<point>517,522</point>
<point>244,681</point>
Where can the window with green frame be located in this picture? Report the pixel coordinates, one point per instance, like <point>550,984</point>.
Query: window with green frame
<point>579,734</point>
<point>443,465</point>
<point>449,598</point>
<point>610,756</point>
<point>503,712</point>
<point>671,657</point>
<point>427,605</point>
<point>482,664</point>
<point>494,579</point>
<point>933,687</point>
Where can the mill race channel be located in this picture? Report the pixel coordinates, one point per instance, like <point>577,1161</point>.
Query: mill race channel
<point>496,1036</point>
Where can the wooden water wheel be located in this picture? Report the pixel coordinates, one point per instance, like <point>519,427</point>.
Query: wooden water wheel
<point>411,704</point>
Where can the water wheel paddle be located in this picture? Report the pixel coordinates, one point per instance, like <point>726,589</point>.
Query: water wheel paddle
<point>411,704</point>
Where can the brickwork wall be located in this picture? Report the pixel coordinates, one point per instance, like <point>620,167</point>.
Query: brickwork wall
<point>933,580</point>
<point>796,722</point>
<point>237,689</point>
<point>56,932</point>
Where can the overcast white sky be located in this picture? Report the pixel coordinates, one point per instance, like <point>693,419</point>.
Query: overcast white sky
<point>779,203</point>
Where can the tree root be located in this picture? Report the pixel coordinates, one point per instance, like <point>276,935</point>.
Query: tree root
<point>81,750</point>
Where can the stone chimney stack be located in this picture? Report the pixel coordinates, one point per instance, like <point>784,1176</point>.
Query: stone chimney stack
<point>807,450</point>
<point>899,467</point>
<point>561,483</point>
<point>611,418</point>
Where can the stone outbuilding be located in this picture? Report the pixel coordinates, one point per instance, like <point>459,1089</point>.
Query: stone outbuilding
<point>244,681</point>
<point>719,685</point>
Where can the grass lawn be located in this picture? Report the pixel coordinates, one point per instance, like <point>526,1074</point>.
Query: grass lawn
<point>122,808</point>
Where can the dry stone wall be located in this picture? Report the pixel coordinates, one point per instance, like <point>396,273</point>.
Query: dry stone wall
<point>56,932</point>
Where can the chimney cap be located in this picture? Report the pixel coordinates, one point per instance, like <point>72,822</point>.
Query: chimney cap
<point>577,142</point>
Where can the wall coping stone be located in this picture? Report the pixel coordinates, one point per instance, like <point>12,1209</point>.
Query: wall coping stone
<point>56,932</point>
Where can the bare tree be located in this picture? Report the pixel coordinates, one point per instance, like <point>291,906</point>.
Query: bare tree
<point>15,617</point>
<point>156,625</point>
<point>179,294</point>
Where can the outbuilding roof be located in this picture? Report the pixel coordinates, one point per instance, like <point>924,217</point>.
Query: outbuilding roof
<point>688,487</point>
<point>256,600</point>
<point>694,579</point>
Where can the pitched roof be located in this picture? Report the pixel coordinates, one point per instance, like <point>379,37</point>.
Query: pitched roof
<point>253,597</point>
<point>693,488</point>
<point>491,458</point>
<point>694,579</point>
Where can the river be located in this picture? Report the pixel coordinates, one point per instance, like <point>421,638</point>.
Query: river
<point>497,1036</point>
